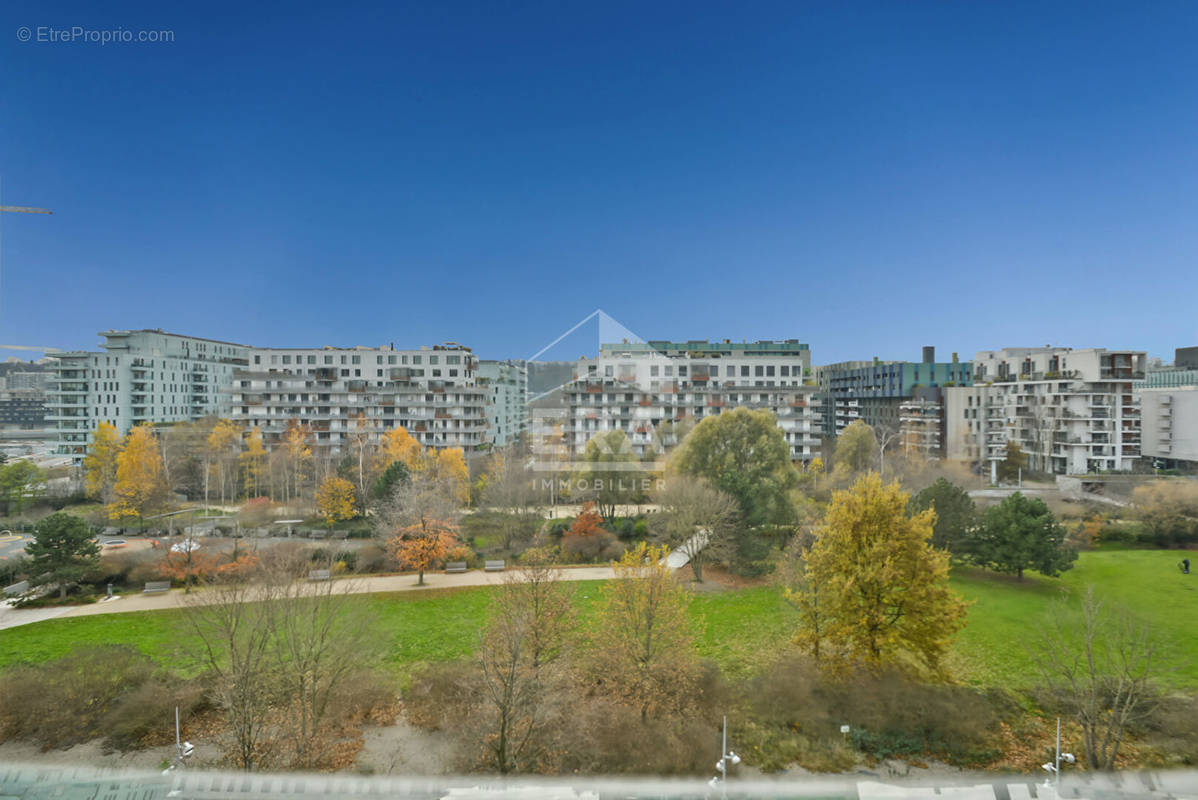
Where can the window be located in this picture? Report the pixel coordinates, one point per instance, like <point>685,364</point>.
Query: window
<point>356,359</point>
<point>311,359</point>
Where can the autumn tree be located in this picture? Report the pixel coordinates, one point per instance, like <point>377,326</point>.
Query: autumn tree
<point>220,452</point>
<point>361,438</point>
<point>956,514</point>
<point>335,500</point>
<point>448,466</point>
<point>696,519</point>
<point>140,487</point>
<point>296,441</point>
<point>396,444</point>
<point>253,463</point>
<point>419,524</point>
<point>1169,509</point>
<point>804,595</point>
<point>63,550</point>
<point>856,448</point>
<point>99,465</point>
<point>642,650</point>
<point>1021,533</point>
<point>883,593</point>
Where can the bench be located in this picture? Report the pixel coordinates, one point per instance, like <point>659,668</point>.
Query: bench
<point>455,566</point>
<point>316,534</point>
<point>320,575</point>
<point>341,535</point>
<point>156,587</point>
<point>494,566</point>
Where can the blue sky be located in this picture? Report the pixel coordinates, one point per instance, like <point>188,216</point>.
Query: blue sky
<point>865,177</point>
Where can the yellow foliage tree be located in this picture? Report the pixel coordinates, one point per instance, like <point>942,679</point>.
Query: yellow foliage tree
<point>875,583</point>
<point>397,444</point>
<point>253,463</point>
<point>140,482</point>
<point>220,449</point>
<point>449,465</point>
<point>296,444</point>
<point>335,499</point>
<point>643,648</point>
<point>99,465</point>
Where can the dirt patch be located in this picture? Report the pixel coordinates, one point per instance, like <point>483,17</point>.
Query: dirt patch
<point>404,749</point>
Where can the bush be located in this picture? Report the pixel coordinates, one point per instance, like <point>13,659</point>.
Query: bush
<point>601,546</point>
<point>371,558</point>
<point>144,716</point>
<point>640,529</point>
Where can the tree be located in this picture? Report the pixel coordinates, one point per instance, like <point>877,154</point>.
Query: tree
<point>509,488</point>
<point>253,463</point>
<point>612,470</point>
<point>395,475</point>
<point>1169,509</point>
<point>220,449</point>
<point>448,465</point>
<point>744,454</point>
<point>1015,462</point>
<point>335,500</point>
<point>295,440</point>
<point>62,551</point>
<point>140,484</point>
<point>804,595</point>
<point>696,519</point>
<point>361,438</point>
<point>1021,533</point>
<point>883,593</point>
<point>643,648</point>
<point>956,514</point>
<point>99,465</point>
<point>423,545</point>
<point>1100,671</point>
<point>20,483</point>
<point>397,444</point>
<point>530,618</point>
<point>233,624</point>
<point>856,448</point>
<point>816,469</point>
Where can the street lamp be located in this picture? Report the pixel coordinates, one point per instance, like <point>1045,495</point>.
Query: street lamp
<point>727,757</point>
<point>1053,768</point>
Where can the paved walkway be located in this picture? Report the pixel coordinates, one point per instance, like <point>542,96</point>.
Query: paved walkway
<point>12,617</point>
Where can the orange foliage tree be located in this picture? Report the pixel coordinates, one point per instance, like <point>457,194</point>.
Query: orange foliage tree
<point>423,545</point>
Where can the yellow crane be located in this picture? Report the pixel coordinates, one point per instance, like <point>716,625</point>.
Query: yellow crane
<point>26,210</point>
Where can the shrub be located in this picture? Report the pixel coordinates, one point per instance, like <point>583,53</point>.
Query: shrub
<point>601,546</point>
<point>640,529</point>
<point>144,716</point>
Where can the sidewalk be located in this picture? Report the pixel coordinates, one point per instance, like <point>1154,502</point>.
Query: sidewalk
<point>175,598</point>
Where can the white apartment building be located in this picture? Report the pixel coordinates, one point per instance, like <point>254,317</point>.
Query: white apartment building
<point>1071,411</point>
<point>637,387</point>
<point>337,392</point>
<point>139,376</point>
<point>506,384</point>
<point>1169,410</point>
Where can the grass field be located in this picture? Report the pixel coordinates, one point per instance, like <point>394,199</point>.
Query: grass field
<point>740,630</point>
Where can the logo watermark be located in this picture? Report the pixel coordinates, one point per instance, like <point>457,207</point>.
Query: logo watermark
<point>78,34</point>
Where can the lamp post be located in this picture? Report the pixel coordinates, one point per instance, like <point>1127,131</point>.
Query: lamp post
<point>1053,768</point>
<point>726,757</point>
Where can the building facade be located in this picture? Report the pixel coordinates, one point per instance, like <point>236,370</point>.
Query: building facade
<point>1169,412</point>
<point>139,376</point>
<point>506,384</point>
<point>1070,411</point>
<point>876,392</point>
<point>341,393</point>
<point>641,388</point>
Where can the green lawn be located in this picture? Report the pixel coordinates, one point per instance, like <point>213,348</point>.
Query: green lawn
<point>741,631</point>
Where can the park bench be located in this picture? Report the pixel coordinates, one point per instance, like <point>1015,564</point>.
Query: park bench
<point>16,589</point>
<point>455,566</point>
<point>494,566</point>
<point>320,575</point>
<point>340,534</point>
<point>156,587</point>
<point>316,534</point>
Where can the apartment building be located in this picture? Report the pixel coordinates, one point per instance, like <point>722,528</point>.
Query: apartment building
<point>1169,412</point>
<point>1071,411</point>
<point>876,391</point>
<point>339,392</point>
<point>138,376</point>
<point>638,387</point>
<point>922,424</point>
<point>506,384</point>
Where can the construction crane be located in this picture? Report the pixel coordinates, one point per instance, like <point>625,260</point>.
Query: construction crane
<point>25,210</point>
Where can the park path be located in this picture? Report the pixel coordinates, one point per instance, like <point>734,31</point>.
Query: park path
<point>13,617</point>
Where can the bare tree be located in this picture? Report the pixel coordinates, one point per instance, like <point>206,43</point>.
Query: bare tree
<point>885,436</point>
<point>510,489</point>
<point>518,658</point>
<point>317,639</point>
<point>696,519</point>
<point>1101,671</point>
<point>232,622</point>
